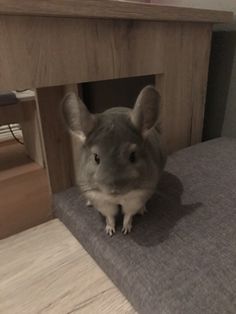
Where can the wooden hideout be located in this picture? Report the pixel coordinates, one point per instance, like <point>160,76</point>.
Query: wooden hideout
<point>51,46</point>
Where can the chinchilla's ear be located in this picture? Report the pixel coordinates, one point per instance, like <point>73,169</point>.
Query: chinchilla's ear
<point>146,109</point>
<point>76,116</point>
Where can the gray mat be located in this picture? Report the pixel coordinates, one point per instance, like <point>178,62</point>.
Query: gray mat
<point>181,256</point>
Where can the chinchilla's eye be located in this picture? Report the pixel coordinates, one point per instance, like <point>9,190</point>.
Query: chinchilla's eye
<point>132,157</point>
<point>97,159</point>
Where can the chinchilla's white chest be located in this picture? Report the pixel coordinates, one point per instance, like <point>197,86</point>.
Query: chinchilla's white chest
<point>135,199</point>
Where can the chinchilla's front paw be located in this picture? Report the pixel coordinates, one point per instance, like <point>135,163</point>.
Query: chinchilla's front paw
<point>110,230</point>
<point>127,228</point>
<point>127,223</point>
<point>89,204</point>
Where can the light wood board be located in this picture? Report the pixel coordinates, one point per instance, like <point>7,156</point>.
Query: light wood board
<point>45,270</point>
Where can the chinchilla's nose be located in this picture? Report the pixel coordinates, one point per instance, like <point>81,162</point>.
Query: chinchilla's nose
<point>109,188</point>
<point>111,185</point>
<point>114,189</point>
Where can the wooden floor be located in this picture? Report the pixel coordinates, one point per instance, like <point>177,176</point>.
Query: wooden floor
<point>24,191</point>
<point>45,270</point>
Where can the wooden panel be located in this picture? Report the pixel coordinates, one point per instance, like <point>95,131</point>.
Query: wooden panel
<point>24,112</point>
<point>111,9</point>
<point>184,84</point>
<point>46,270</point>
<point>200,60</point>
<point>229,5</point>
<point>31,131</point>
<point>10,114</point>
<point>56,141</point>
<point>24,202</point>
<point>24,191</point>
<point>12,155</point>
<point>25,95</point>
<point>18,171</point>
<point>64,51</point>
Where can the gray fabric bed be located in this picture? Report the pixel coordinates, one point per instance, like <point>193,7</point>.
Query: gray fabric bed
<point>181,256</point>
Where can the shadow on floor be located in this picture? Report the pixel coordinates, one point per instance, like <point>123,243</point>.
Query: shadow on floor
<point>165,209</point>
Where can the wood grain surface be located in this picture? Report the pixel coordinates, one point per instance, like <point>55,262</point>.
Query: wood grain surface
<point>31,131</point>
<point>55,138</point>
<point>111,9</point>
<point>60,51</point>
<point>24,191</point>
<point>45,270</point>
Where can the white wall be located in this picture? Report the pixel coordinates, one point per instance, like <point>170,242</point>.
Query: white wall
<point>226,5</point>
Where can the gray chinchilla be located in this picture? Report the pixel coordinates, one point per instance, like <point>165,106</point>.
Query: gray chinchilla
<point>121,156</point>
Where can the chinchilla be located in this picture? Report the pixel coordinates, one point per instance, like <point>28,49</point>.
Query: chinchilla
<point>121,157</point>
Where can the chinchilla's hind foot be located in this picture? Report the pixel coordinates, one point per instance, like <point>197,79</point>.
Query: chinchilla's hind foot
<point>110,225</point>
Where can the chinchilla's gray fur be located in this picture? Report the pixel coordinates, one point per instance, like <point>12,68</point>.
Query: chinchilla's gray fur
<point>121,157</point>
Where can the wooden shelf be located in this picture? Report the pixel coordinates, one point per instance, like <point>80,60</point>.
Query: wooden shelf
<point>112,9</point>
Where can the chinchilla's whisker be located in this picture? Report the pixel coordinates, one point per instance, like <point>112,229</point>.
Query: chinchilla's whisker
<point>158,192</point>
<point>83,183</point>
<point>87,190</point>
<point>84,186</point>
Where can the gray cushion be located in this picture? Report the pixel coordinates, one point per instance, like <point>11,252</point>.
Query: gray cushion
<point>181,256</point>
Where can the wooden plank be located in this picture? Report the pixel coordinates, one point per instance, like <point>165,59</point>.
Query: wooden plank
<point>26,95</point>
<point>24,191</point>
<point>200,63</point>
<point>24,112</point>
<point>18,171</point>
<point>12,155</point>
<point>45,270</point>
<point>31,131</point>
<point>24,201</point>
<point>56,141</point>
<point>111,9</point>
<point>184,84</point>
<point>65,51</point>
<point>10,113</point>
<point>228,5</point>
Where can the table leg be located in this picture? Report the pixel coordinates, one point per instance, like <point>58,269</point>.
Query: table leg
<point>31,131</point>
<point>56,140</point>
